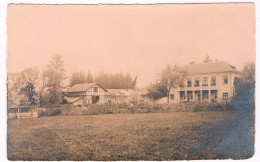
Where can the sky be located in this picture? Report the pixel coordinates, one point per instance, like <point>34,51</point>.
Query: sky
<point>139,39</point>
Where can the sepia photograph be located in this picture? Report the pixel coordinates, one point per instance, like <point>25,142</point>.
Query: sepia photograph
<point>130,82</point>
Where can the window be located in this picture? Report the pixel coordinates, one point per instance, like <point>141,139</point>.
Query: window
<point>205,95</point>
<point>225,96</point>
<point>225,79</point>
<point>190,95</point>
<point>189,82</point>
<point>213,80</point>
<point>204,81</point>
<point>172,96</point>
<point>197,82</point>
<point>95,89</point>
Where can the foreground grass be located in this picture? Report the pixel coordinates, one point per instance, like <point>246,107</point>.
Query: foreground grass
<point>154,136</point>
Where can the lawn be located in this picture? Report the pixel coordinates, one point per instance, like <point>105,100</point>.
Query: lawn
<point>148,136</point>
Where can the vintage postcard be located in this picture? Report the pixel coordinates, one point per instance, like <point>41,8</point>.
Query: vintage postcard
<point>131,82</point>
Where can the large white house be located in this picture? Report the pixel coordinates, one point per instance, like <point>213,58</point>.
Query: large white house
<point>206,82</point>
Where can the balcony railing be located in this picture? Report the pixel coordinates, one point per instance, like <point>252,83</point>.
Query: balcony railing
<point>196,85</point>
<point>213,84</point>
<point>204,85</point>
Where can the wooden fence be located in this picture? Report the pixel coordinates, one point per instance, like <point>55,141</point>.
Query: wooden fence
<point>23,112</point>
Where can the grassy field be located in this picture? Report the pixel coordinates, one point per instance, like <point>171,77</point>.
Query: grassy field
<point>150,136</point>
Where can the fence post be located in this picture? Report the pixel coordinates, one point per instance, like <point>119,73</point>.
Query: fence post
<point>31,111</point>
<point>18,113</point>
<point>116,108</point>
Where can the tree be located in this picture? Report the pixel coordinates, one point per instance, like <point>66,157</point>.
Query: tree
<point>29,91</point>
<point>89,77</point>
<point>114,81</point>
<point>13,96</point>
<point>156,91</point>
<point>248,73</point>
<point>78,78</point>
<point>170,77</point>
<point>73,79</point>
<point>102,79</point>
<point>245,87</point>
<point>55,75</point>
<point>17,81</point>
<point>28,75</point>
<point>207,59</point>
<point>134,81</point>
<point>106,80</point>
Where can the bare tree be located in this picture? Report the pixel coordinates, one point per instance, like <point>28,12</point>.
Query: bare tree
<point>19,81</point>
<point>170,77</point>
<point>55,75</point>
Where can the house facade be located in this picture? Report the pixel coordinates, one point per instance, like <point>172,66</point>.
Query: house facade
<point>206,82</point>
<point>85,93</point>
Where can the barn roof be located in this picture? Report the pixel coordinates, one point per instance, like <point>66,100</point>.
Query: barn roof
<point>72,99</point>
<point>83,87</point>
<point>210,67</point>
<point>119,92</point>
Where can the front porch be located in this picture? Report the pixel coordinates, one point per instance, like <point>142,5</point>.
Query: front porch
<point>198,96</point>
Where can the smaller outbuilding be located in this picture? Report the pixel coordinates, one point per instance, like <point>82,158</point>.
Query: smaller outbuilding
<point>125,95</point>
<point>85,93</point>
<point>120,95</point>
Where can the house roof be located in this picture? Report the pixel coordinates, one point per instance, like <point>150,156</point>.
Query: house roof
<point>119,92</point>
<point>210,67</point>
<point>72,99</point>
<point>83,87</point>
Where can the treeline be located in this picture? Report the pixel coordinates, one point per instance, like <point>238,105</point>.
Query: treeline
<point>31,86</point>
<point>106,80</point>
<point>245,88</point>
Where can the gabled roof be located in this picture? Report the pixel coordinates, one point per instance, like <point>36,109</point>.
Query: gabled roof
<point>210,67</point>
<point>83,87</point>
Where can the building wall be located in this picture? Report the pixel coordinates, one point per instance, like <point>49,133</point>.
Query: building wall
<point>219,87</point>
<point>87,98</point>
<point>102,99</point>
<point>91,91</point>
<point>78,102</point>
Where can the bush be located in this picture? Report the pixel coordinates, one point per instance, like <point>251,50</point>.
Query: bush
<point>71,111</point>
<point>143,107</point>
<point>217,106</point>
<point>241,105</point>
<point>197,107</point>
<point>50,112</point>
